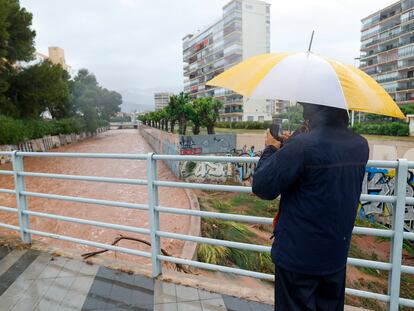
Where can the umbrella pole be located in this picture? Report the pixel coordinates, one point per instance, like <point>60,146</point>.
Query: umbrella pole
<point>352,118</point>
<point>311,40</point>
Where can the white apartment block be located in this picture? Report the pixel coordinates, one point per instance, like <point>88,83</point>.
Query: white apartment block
<point>161,99</point>
<point>387,49</point>
<point>242,31</point>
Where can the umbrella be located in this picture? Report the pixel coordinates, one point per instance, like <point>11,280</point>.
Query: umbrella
<point>309,78</point>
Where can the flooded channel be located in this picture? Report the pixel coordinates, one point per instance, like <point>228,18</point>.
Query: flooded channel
<point>114,141</point>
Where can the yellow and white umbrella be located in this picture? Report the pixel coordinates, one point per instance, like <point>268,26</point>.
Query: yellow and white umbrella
<point>310,78</point>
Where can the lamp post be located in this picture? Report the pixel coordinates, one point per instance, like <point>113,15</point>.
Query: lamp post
<point>356,59</point>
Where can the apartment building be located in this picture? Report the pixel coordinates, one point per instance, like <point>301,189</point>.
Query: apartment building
<point>387,49</point>
<point>242,31</point>
<point>161,99</point>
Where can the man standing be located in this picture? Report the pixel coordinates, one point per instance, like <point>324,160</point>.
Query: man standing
<point>319,176</point>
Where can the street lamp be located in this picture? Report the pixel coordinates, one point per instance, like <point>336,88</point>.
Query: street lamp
<point>356,59</point>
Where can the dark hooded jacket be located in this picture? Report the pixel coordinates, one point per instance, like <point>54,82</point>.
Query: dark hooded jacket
<point>319,176</point>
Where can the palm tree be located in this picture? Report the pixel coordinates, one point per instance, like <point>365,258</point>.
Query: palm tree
<point>209,112</point>
<point>151,117</point>
<point>170,112</point>
<point>164,119</point>
<point>178,109</point>
<point>194,115</point>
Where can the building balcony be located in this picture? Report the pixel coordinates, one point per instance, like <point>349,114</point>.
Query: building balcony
<point>386,37</point>
<point>408,4</point>
<point>405,87</point>
<point>233,111</point>
<point>407,28</point>
<point>406,20</point>
<point>233,102</point>
<point>405,64</point>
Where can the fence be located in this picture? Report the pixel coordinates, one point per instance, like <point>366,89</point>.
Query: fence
<point>396,233</point>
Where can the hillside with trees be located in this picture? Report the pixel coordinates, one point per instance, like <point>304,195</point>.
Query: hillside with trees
<point>28,91</point>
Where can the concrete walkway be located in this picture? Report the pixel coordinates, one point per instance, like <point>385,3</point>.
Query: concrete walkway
<point>33,280</point>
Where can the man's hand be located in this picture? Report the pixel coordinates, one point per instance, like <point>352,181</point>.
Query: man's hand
<point>271,141</point>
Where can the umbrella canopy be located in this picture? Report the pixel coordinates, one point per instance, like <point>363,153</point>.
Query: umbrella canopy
<point>309,78</point>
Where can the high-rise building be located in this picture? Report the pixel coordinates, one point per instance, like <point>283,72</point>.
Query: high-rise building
<point>242,31</point>
<point>387,49</point>
<point>161,99</point>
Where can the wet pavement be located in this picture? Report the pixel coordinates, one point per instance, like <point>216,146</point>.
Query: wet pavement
<point>32,280</point>
<point>115,141</point>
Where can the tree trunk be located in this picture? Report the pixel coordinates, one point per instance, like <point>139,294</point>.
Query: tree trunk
<point>182,126</point>
<point>172,123</point>
<point>196,129</point>
<point>210,129</point>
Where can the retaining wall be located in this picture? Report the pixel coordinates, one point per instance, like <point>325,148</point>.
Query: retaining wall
<point>47,142</point>
<point>217,144</point>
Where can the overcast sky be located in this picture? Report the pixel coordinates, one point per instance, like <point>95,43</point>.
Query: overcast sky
<point>134,46</point>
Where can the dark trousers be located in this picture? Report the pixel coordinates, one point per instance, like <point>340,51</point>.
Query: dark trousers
<point>301,292</point>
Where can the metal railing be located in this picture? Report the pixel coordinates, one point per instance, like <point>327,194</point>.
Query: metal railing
<point>396,233</point>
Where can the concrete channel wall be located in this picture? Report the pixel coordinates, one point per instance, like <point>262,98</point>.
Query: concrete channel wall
<point>47,143</point>
<point>218,144</point>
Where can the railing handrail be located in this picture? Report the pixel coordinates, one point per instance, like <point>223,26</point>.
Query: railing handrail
<point>396,234</point>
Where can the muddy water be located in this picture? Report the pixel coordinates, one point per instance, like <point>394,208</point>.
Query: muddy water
<point>116,141</point>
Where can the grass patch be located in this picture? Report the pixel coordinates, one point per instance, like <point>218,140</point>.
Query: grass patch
<point>243,203</point>
<point>408,247</point>
<point>234,231</point>
<point>216,255</point>
<point>226,230</point>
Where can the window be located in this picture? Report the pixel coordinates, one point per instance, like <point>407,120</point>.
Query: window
<point>369,32</point>
<point>261,118</point>
<point>371,20</point>
<point>250,118</point>
<point>407,4</point>
<point>387,77</point>
<point>235,48</point>
<point>407,16</point>
<point>406,51</point>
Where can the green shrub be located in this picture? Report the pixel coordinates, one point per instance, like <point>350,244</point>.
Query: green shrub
<point>389,128</point>
<point>66,126</point>
<point>244,125</point>
<point>13,132</point>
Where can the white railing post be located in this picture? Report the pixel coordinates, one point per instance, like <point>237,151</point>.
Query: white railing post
<point>398,215</point>
<point>17,161</point>
<point>154,217</point>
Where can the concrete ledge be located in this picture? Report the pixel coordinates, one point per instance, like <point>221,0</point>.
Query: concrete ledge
<point>190,248</point>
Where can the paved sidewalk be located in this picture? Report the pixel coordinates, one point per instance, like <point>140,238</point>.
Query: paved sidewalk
<point>32,280</point>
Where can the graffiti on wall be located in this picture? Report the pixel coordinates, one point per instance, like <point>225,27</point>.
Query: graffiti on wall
<point>188,146</point>
<point>222,171</point>
<point>244,171</point>
<point>382,182</point>
<point>207,144</point>
<point>202,171</point>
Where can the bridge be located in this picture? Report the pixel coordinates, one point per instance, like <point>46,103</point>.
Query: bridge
<point>155,233</point>
<point>123,125</point>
